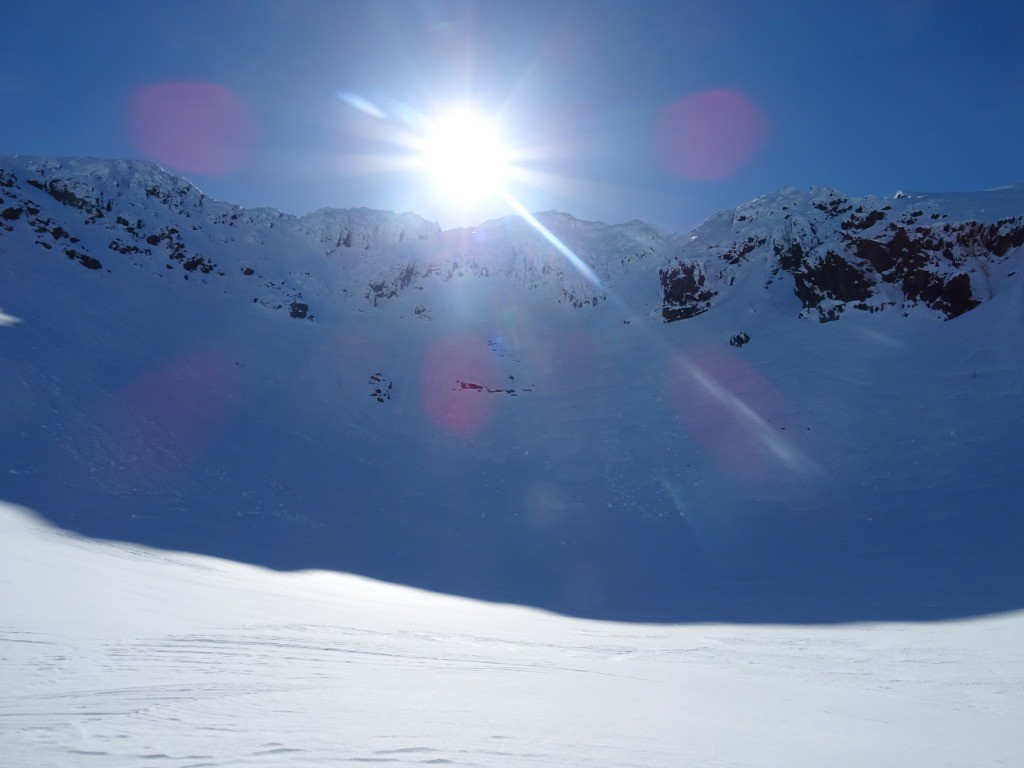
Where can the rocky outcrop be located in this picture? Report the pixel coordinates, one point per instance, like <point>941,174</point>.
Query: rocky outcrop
<point>684,287</point>
<point>909,252</point>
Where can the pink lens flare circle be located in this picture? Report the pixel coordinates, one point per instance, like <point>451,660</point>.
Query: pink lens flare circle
<point>195,127</point>
<point>457,372</point>
<point>160,424</point>
<point>710,135</point>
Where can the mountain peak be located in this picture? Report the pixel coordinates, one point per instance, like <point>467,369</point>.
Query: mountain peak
<point>944,253</point>
<point>817,249</point>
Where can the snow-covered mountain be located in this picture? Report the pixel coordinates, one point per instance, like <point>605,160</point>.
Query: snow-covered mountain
<point>469,412</point>
<point>832,252</point>
<point>109,215</point>
<point>941,253</point>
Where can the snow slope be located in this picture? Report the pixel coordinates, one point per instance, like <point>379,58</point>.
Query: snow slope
<point>466,412</point>
<point>121,655</point>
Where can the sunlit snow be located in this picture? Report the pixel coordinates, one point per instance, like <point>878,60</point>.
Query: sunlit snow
<point>120,655</point>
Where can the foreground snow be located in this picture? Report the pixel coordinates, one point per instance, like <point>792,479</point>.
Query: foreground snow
<point>116,655</point>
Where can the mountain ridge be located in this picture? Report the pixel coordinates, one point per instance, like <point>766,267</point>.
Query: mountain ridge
<point>901,253</point>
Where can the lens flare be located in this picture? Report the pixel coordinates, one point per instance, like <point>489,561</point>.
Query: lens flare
<point>196,127</point>
<point>6,319</point>
<point>581,266</point>
<point>456,375</point>
<point>363,104</point>
<point>710,135</point>
<point>158,425</point>
<point>465,156</point>
<point>740,419</point>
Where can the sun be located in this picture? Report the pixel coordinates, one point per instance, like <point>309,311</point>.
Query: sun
<point>465,156</point>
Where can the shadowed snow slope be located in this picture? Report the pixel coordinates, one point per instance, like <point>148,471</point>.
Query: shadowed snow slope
<point>807,410</point>
<point>121,655</point>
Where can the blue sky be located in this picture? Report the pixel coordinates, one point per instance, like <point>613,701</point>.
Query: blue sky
<point>665,112</point>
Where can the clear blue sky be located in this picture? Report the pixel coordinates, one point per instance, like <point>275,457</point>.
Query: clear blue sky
<point>665,112</point>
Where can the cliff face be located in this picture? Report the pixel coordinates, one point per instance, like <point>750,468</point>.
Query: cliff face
<point>943,254</point>
<point>114,215</point>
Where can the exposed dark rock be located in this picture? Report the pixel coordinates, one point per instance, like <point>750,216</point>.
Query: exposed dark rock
<point>474,387</point>
<point>684,290</point>
<point>194,263</point>
<point>952,296</point>
<point>382,388</point>
<point>830,278</point>
<point>84,259</point>
<point>298,309</point>
<point>996,238</point>
<point>739,339</point>
<point>790,258</point>
<point>890,259</point>
<point>862,222</point>
<point>576,302</point>
<point>125,248</point>
<point>828,314</point>
<point>919,258</point>
<point>919,262</point>
<point>834,207</point>
<point>388,289</point>
<point>59,191</point>
<point>740,251</point>
<point>169,234</point>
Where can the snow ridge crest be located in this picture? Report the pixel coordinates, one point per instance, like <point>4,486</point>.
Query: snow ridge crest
<point>942,254</point>
<point>817,250</point>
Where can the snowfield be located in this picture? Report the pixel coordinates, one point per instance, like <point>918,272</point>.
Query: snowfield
<point>118,655</point>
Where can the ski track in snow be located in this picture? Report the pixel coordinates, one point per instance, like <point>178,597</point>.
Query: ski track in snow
<point>115,655</point>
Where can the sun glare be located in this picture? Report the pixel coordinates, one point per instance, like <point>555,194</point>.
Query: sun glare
<point>465,156</point>
<point>467,161</point>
